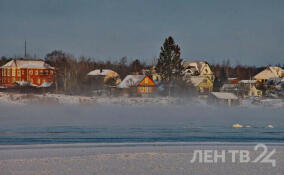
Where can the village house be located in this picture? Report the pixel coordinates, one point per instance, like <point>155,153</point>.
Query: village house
<point>202,84</point>
<point>154,74</point>
<point>226,98</point>
<point>137,85</point>
<point>242,88</point>
<point>106,75</point>
<point>35,73</point>
<point>103,81</point>
<point>198,68</point>
<point>269,72</point>
<point>248,88</point>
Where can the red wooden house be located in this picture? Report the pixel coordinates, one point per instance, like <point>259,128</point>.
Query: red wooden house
<point>34,73</point>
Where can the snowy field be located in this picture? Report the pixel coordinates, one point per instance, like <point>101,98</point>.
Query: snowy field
<point>122,159</point>
<point>17,98</point>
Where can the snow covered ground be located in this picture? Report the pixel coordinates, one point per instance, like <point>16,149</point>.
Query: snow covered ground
<point>17,98</point>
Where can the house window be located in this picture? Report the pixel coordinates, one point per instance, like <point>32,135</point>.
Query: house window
<point>8,72</point>
<point>18,73</point>
<point>142,89</point>
<point>146,89</point>
<point>13,72</point>
<point>23,72</point>
<point>13,79</point>
<point>4,72</point>
<point>46,72</point>
<point>146,81</point>
<point>41,71</point>
<point>38,81</point>
<point>30,72</point>
<point>36,72</point>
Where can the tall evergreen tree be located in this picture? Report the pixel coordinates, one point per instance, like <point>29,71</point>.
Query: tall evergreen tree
<point>169,62</point>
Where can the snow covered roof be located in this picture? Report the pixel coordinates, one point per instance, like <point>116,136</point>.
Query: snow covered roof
<point>27,64</point>
<point>224,95</point>
<point>247,81</point>
<point>102,72</point>
<point>131,80</point>
<point>270,72</point>
<point>196,80</point>
<point>199,65</point>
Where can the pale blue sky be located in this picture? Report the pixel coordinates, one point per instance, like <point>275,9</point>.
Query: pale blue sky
<point>245,31</point>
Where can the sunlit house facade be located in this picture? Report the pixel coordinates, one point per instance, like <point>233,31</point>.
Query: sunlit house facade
<point>35,73</point>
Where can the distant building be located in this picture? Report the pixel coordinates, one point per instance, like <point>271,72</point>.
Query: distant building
<point>137,84</point>
<point>243,88</point>
<point>154,74</point>
<point>106,75</point>
<point>224,98</point>
<point>248,88</point>
<point>34,73</point>
<point>198,68</point>
<point>269,72</point>
<point>202,84</point>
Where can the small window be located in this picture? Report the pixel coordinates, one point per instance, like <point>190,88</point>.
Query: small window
<point>31,72</point>
<point>142,89</point>
<point>46,72</point>
<point>146,80</point>
<point>146,89</point>
<point>36,72</point>
<point>23,72</point>
<point>18,73</point>
<point>38,81</point>
<point>8,72</point>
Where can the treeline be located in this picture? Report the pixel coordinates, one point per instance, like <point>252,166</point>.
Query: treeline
<point>71,72</point>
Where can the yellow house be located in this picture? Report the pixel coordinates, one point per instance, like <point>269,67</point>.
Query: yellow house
<point>198,68</point>
<point>269,72</point>
<point>203,84</point>
<point>254,92</point>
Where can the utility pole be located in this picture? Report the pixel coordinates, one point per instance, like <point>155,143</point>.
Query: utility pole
<point>25,49</point>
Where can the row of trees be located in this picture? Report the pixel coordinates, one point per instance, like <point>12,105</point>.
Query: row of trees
<point>71,72</point>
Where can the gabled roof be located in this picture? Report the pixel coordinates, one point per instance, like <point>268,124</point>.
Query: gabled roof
<point>196,80</point>
<point>247,81</point>
<point>224,95</point>
<point>270,72</point>
<point>199,65</point>
<point>102,72</point>
<point>27,64</point>
<point>131,80</point>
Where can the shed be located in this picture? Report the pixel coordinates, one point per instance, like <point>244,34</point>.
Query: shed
<point>224,97</point>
